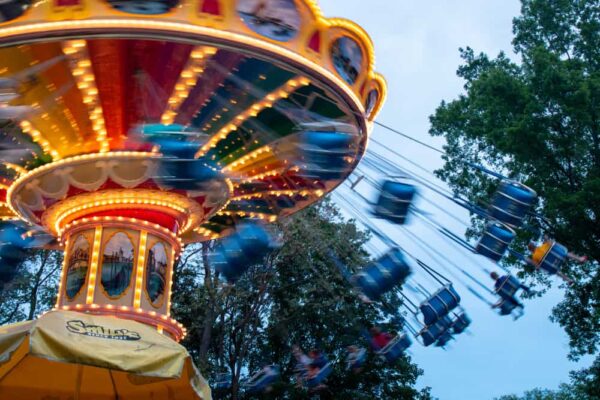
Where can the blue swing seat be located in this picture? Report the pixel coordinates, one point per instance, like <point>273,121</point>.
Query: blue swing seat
<point>187,174</point>
<point>495,241</point>
<point>223,382</point>
<point>382,275</point>
<point>439,304</point>
<point>356,360</point>
<point>237,252</point>
<point>323,154</point>
<point>511,203</point>
<point>320,376</point>
<point>261,381</point>
<point>507,307</point>
<point>461,323</point>
<point>394,201</point>
<point>395,348</point>
<point>554,258</point>
<point>508,287</point>
<point>431,333</point>
<point>444,339</point>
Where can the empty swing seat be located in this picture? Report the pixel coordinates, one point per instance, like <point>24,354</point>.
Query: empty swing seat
<point>356,360</point>
<point>394,201</point>
<point>187,174</point>
<point>323,154</point>
<point>461,323</point>
<point>223,382</point>
<point>495,241</point>
<point>511,203</point>
<point>320,376</point>
<point>261,381</point>
<point>431,333</point>
<point>439,304</point>
<point>554,258</point>
<point>382,275</point>
<point>444,339</point>
<point>237,252</point>
<point>395,348</point>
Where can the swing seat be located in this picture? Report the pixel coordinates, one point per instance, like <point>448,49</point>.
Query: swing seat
<point>394,201</point>
<point>444,339</point>
<point>511,203</point>
<point>171,139</point>
<point>320,376</point>
<point>554,258</point>
<point>323,154</point>
<point>395,348</point>
<point>223,382</point>
<point>507,307</point>
<point>355,361</point>
<point>495,241</point>
<point>461,323</point>
<point>508,288</point>
<point>382,275</point>
<point>261,382</point>
<point>439,304</point>
<point>184,174</point>
<point>431,333</point>
<point>237,252</point>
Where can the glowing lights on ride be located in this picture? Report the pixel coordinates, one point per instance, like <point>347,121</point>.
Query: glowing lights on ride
<point>38,138</point>
<point>187,81</point>
<point>76,51</point>
<point>253,111</point>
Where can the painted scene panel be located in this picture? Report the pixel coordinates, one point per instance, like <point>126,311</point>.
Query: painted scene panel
<point>117,265</point>
<point>77,266</point>
<point>156,272</point>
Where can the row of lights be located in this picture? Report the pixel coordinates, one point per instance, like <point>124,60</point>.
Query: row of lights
<point>71,160</point>
<point>261,216</point>
<point>133,221</point>
<point>207,233</point>
<point>187,80</point>
<point>248,158</point>
<point>139,274</point>
<point>37,137</point>
<point>117,201</point>
<point>303,193</point>
<point>83,74</point>
<point>278,94</point>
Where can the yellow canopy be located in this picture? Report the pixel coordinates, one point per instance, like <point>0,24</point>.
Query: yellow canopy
<point>75,356</point>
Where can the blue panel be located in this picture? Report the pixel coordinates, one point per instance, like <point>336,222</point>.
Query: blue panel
<point>394,201</point>
<point>511,203</point>
<point>439,304</point>
<point>495,241</point>
<point>323,154</point>
<point>384,274</point>
<point>554,259</point>
<point>237,252</point>
<point>461,323</point>
<point>321,376</point>
<point>187,174</point>
<point>396,348</point>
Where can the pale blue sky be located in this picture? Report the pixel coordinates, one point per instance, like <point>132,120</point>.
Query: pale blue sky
<point>417,50</point>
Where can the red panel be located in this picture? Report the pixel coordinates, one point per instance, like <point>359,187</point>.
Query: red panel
<point>211,79</point>
<point>110,70</point>
<point>315,42</point>
<point>154,217</point>
<point>67,3</point>
<point>211,7</point>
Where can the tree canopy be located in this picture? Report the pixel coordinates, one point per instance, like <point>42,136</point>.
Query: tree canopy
<point>297,296</point>
<point>535,117</point>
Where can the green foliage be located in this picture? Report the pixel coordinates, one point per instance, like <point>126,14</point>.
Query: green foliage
<point>34,288</point>
<point>297,296</point>
<point>538,121</point>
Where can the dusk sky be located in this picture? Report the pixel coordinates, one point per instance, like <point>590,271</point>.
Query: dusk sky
<point>417,50</point>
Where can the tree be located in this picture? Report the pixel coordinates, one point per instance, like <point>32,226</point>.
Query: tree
<point>538,121</point>
<point>296,296</point>
<point>34,288</point>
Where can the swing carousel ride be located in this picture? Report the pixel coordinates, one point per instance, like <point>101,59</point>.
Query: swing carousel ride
<point>132,128</point>
<point>129,129</point>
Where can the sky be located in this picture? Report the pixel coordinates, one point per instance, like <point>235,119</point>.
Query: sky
<point>417,46</point>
